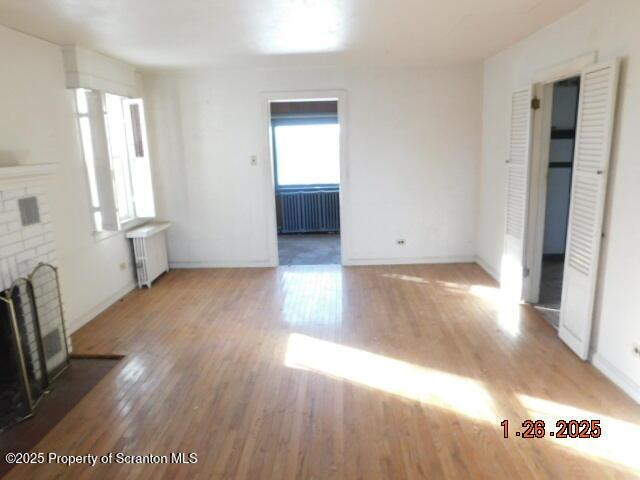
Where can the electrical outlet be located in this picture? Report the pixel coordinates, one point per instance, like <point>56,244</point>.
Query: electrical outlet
<point>254,159</point>
<point>636,349</point>
<point>123,266</point>
<point>400,241</point>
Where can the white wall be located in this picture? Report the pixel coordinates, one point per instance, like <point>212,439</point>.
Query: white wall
<point>37,125</point>
<point>413,150</point>
<point>611,28</point>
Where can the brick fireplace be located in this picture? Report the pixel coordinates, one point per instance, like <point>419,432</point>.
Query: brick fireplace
<point>26,231</point>
<point>27,240</point>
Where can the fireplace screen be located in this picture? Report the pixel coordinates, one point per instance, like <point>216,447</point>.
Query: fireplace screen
<point>44,280</point>
<point>33,343</point>
<point>15,401</point>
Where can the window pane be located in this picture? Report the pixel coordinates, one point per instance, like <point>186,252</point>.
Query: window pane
<point>87,148</point>
<point>119,155</point>
<point>136,131</point>
<point>308,154</point>
<point>97,220</point>
<point>81,101</point>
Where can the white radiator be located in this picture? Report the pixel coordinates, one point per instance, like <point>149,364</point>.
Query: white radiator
<point>150,251</point>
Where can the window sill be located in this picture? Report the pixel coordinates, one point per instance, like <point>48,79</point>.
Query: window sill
<point>124,227</point>
<point>133,223</point>
<point>307,188</point>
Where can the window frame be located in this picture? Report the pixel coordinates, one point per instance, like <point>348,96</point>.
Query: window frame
<point>129,188</point>
<point>92,187</point>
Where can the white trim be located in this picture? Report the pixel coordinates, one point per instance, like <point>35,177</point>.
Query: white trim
<point>346,262</point>
<point>148,229</point>
<point>536,198</point>
<point>627,385</point>
<point>493,273</point>
<point>78,322</point>
<point>19,173</point>
<point>222,264</point>
<point>407,261</point>
<point>270,200</point>
<point>134,223</point>
<point>536,203</point>
<point>567,69</point>
<point>86,68</point>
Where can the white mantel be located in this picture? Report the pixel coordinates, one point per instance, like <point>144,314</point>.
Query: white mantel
<point>19,173</point>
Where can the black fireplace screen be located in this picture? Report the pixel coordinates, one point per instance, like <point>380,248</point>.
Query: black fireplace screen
<point>14,394</point>
<point>33,342</point>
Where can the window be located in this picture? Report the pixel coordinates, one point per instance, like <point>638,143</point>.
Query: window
<point>114,143</point>
<point>119,155</point>
<point>306,151</point>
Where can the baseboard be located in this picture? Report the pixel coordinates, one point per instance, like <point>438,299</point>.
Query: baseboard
<point>485,266</point>
<point>616,376</point>
<point>224,264</point>
<point>406,261</point>
<point>78,322</point>
<point>345,262</point>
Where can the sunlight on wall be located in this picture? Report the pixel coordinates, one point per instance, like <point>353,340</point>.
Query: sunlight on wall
<point>443,390</point>
<point>302,27</point>
<point>619,443</point>
<point>509,312</point>
<point>511,278</point>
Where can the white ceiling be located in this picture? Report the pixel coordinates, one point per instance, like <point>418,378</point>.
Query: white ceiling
<point>185,33</point>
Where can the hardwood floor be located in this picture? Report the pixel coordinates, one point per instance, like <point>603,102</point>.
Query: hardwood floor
<point>329,372</point>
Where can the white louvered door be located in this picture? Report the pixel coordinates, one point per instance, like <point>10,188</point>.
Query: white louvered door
<point>589,187</point>
<point>512,268</point>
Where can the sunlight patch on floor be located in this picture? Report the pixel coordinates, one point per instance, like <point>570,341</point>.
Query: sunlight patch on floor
<point>306,292</point>
<point>407,278</point>
<point>509,311</point>
<point>619,442</point>
<point>452,392</point>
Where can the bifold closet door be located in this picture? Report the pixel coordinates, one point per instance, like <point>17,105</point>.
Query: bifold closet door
<point>517,189</point>
<point>596,114</point>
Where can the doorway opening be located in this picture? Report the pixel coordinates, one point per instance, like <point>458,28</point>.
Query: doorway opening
<point>305,151</point>
<point>556,192</point>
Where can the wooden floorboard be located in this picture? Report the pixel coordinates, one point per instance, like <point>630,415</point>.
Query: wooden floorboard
<point>342,373</point>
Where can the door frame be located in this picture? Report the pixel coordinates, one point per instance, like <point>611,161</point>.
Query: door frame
<point>541,140</point>
<point>269,171</point>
